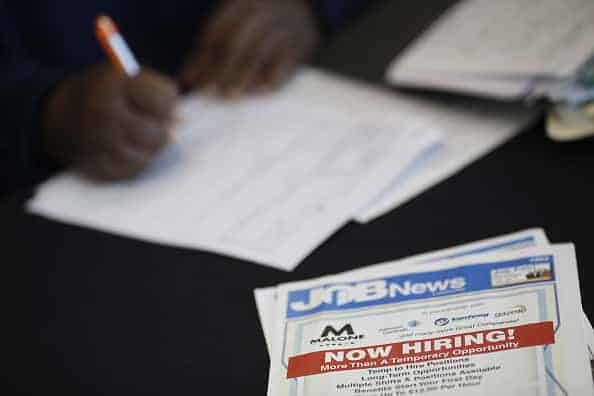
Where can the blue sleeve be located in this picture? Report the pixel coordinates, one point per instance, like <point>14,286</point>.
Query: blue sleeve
<point>24,82</point>
<point>334,13</point>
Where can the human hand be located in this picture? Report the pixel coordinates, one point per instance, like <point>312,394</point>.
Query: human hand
<point>250,45</point>
<point>107,124</point>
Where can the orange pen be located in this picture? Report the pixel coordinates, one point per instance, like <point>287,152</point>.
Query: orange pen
<point>115,47</point>
<point>119,53</point>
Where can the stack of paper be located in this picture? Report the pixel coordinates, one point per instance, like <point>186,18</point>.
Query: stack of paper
<point>470,130</point>
<point>269,179</point>
<point>266,179</point>
<point>494,317</point>
<point>507,49</point>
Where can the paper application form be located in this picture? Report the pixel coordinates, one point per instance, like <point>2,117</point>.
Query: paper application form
<point>471,129</point>
<point>266,180</point>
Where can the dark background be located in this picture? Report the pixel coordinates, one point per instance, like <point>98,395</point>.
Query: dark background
<point>90,313</point>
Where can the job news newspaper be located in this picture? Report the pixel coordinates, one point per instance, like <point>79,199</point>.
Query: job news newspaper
<point>497,324</point>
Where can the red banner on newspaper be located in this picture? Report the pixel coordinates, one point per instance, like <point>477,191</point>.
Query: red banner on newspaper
<point>474,343</point>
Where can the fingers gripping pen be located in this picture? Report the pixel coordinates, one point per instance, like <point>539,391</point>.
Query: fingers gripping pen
<point>119,53</point>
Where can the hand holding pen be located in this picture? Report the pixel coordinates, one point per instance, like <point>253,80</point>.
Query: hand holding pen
<point>110,121</point>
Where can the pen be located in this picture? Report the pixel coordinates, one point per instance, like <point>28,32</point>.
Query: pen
<point>115,46</point>
<point>120,54</point>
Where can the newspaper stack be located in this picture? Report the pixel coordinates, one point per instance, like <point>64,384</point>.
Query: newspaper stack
<point>495,317</point>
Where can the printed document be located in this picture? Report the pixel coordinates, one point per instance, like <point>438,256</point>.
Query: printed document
<point>470,130</point>
<point>266,298</point>
<point>266,179</point>
<point>502,48</point>
<point>500,324</point>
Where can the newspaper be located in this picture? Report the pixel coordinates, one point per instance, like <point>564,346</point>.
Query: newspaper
<point>466,324</point>
<point>526,239</point>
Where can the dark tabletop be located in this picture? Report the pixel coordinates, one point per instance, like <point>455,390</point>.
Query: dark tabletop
<point>90,313</point>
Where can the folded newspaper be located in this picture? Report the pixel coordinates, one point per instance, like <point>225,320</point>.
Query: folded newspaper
<point>496,317</point>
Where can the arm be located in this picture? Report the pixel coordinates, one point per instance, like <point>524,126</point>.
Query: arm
<point>96,119</point>
<point>24,84</point>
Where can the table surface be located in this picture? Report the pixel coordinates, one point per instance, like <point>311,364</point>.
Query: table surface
<point>91,313</point>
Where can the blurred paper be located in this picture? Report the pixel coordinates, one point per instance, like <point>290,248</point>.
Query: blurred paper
<point>503,48</point>
<point>589,334</point>
<point>265,179</point>
<point>471,129</point>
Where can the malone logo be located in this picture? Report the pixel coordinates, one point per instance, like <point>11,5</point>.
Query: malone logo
<point>332,336</point>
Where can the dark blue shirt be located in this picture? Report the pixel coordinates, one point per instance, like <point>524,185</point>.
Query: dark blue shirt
<point>43,41</point>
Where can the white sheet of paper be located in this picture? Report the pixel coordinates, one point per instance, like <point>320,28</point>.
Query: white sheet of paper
<point>509,40</point>
<point>470,130</point>
<point>265,304</point>
<point>589,335</point>
<point>266,179</point>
